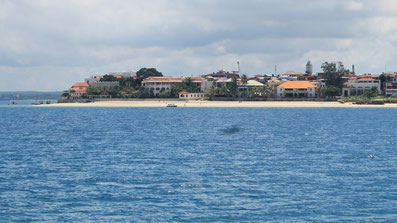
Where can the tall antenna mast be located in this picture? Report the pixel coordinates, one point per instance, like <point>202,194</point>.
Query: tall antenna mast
<point>275,70</point>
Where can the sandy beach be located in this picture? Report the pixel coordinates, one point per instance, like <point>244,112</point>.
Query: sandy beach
<point>226,104</point>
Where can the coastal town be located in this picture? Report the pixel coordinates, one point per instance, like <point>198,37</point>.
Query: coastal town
<point>334,82</point>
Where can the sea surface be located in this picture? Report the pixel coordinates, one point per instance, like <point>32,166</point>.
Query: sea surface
<point>197,164</point>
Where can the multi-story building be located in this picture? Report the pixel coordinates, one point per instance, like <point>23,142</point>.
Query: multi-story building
<point>296,89</point>
<point>93,79</point>
<point>357,86</point>
<point>161,84</point>
<point>78,90</point>
<point>105,85</point>
<point>391,88</point>
<point>123,73</point>
<point>291,75</point>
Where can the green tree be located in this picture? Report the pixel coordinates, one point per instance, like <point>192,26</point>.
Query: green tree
<point>65,94</point>
<point>370,93</point>
<point>175,89</point>
<point>244,79</point>
<point>148,72</point>
<point>232,88</point>
<point>165,94</point>
<point>107,77</point>
<point>188,85</point>
<point>333,76</point>
<point>93,91</point>
<point>265,92</point>
<point>382,79</point>
<point>213,89</point>
<point>331,91</point>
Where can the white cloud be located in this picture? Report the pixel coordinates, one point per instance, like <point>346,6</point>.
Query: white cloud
<point>48,45</point>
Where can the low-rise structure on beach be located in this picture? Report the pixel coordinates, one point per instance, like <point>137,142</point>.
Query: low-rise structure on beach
<point>184,95</point>
<point>296,89</point>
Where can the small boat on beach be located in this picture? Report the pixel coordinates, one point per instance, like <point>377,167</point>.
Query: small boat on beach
<point>172,105</point>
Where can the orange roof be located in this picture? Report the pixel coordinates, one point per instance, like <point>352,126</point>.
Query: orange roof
<point>80,84</point>
<point>78,90</point>
<point>366,79</point>
<point>297,84</point>
<point>118,76</point>
<point>183,92</point>
<point>163,79</point>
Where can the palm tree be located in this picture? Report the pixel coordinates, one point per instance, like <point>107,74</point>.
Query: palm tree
<point>244,79</point>
<point>65,94</point>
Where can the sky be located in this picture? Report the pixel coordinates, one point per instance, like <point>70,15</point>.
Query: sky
<point>48,45</point>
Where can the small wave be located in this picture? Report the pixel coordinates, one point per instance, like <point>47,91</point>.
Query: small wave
<point>231,130</point>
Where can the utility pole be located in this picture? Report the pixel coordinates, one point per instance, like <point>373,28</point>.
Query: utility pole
<point>275,70</point>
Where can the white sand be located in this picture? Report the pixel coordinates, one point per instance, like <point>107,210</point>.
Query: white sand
<point>237,104</point>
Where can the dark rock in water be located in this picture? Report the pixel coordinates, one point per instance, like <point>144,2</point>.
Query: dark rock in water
<point>231,130</point>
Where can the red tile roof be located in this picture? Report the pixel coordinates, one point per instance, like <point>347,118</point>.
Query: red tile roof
<point>366,79</point>
<point>297,84</point>
<point>81,85</point>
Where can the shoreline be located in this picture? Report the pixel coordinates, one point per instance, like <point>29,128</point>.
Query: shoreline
<point>220,104</point>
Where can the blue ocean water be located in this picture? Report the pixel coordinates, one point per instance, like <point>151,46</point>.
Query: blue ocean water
<point>198,164</point>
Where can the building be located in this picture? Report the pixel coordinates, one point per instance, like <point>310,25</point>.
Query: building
<point>123,73</point>
<point>156,85</point>
<point>160,84</point>
<point>105,85</point>
<point>391,88</point>
<point>184,95</point>
<point>223,74</point>
<point>296,89</point>
<point>309,68</point>
<point>356,86</point>
<point>273,82</point>
<point>93,79</point>
<point>78,90</point>
<point>291,75</point>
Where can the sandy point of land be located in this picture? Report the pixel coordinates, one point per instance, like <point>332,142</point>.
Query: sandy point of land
<point>225,104</point>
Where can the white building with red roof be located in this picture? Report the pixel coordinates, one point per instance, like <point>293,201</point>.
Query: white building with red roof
<point>161,84</point>
<point>78,90</point>
<point>356,86</point>
<point>391,88</point>
<point>299,89</point>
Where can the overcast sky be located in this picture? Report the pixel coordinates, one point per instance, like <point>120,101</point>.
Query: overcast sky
<point>48,45</point>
